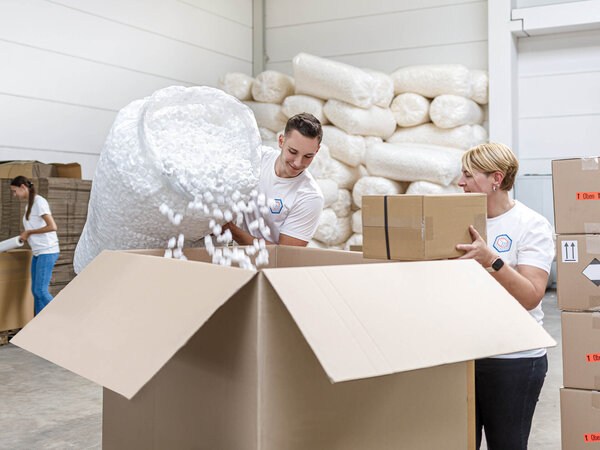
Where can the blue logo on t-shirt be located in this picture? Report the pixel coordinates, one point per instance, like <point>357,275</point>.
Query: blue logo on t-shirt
<point>502,243</point>
<point>276,206</point>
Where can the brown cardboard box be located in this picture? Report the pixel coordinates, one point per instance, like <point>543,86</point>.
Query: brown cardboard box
<point>16,300</point>
<point>420,227</point>
<point>295,356</point>
<point>70,170</point>
<point>36,169</point>
<point>581,350</point>
<point>580,419</point>
<point>576,185</point>
<point>578,272</point>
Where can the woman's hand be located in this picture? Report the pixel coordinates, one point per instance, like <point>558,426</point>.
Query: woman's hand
<point>478,250</point>
<point>24,236</point>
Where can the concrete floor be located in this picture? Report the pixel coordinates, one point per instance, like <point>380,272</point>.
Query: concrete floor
<point>43,406</point>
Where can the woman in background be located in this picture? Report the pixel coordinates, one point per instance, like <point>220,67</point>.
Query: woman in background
<point>518,254</point>
<point>40,234</point>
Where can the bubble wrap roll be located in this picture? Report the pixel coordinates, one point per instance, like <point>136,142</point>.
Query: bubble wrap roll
<point>296,104</point>
<point>344,147</point>
<point>383,89</point>
<point>463,137</point>
<point>271,86</point>
<point>11,244</point>
<point>449,111</point>
<point>237,84</point>
<point>374,121</point>
<point>410,109</point>
<point>333,230</point>
<point>433,80</point>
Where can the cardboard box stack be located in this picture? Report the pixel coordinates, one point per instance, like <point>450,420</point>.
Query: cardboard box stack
<point>576,184</point>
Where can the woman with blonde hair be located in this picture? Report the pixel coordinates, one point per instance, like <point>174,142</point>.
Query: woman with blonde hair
<point>518,254</point>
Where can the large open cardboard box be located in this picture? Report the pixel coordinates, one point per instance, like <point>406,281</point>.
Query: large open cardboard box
<point>317,351</point>
<point>16,299</point>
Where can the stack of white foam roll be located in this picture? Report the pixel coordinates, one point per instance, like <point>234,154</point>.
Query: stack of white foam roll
<point>383,134</point>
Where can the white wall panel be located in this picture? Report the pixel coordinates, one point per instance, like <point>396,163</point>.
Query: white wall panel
<point>236,10</point>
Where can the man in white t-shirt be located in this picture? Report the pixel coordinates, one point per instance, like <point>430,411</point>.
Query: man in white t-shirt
<point>296,201</point>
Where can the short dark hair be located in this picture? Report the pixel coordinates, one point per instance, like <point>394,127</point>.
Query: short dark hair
<point>306,124</point>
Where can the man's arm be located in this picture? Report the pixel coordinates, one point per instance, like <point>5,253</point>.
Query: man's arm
<point>242,237</point>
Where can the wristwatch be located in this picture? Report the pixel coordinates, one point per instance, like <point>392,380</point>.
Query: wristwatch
<point>496,265</point>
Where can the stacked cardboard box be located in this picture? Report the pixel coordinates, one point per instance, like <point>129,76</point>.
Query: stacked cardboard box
<point>576,184</point>
<point>68,199</point>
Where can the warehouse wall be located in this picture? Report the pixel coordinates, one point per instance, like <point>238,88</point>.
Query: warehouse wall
<point>381,35</point>
<point>69,65</point>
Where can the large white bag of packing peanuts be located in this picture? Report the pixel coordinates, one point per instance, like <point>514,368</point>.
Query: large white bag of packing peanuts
<point>296,104</point>
<point>481,81</point>
<point>433,80</point>
<point>343,204</point>
<point>357,221</point>
<point>374,186</point>
<point>449,111</point>
<point>271,86</point>
<point>383,90</point>
<point>464,137</point>
<point>320,167</point>
<point>410,109</point>
<point>355,239</point>
<point>344,175</point>
<point>426,187</point>
<point>414,162</point>
<point>344,147</point>
<point>325,78</point>
<point>268,115</point>
<point>177,146</point>
<point>237,84</point>
<point>333,230</point>
<point>329,188</point>
<point>374,121</point>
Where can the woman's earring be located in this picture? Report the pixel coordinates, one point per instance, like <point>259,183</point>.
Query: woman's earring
<point>494,187</point>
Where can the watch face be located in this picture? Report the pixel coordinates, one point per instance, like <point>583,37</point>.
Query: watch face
<point>497,265</point>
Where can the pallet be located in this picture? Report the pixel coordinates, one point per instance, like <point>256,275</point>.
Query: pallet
<point>7,335</point>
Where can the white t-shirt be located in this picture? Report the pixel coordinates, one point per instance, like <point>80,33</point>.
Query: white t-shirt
<point>297,202</point>
<point>43,243</point>
<point>521,236</point>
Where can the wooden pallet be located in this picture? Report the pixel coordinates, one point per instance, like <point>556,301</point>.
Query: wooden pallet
<point>7,335</point>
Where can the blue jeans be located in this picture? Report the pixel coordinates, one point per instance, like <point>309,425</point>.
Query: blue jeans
<point>41,272</point>
<point>506,392</point>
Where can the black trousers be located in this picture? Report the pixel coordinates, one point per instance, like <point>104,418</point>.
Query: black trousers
<point>506,392</point>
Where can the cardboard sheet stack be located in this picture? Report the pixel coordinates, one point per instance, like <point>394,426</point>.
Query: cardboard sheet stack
<point>383,134</point>
<point>576,184</point>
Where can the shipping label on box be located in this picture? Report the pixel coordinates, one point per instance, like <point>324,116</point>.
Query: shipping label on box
<point>578,272</point>
<point>576,186</point>
<point>581,349</point>
<point>580,419</point>
<point>420,227</point>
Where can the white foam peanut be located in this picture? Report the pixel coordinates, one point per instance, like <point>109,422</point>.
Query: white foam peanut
<point>355,239</point>
<point>333,230</point>
<point>414,162</point>
<point>449,111</point>
<point>296,104</point>
<point>383,89</point>
<point>325,78</point>
<point>374,121</point>
<point>426,187</point>
<point>344,147</point>
<point>342,207</point>
<point>329,188</point>
<point>480,81</point>
<point>271,86</point>
<point>410,109</point>
<point>237,84</point>
<point>357,221</point>
<point>374,186</point>
<point>464,136</point>
<point>431,80</point>
<point>268,115</point>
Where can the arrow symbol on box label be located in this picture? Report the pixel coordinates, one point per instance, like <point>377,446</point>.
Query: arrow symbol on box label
<point>569,252</point>
<point>592,271</point>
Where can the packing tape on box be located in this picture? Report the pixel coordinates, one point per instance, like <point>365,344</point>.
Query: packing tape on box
<point>591,227</point>
<point>11,244</point>
<point>589,163</point>
<point>596,399</point>
<point>592,245</point>
<point>594,303</point>
<point>385,221</point>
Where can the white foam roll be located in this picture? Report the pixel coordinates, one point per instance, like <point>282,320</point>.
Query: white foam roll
<point>329,188</point>
<point>414,162</point>
<point>296,104</point>
<point>433,79</point>
<point>342,207</point>
<point>11,244</point>
<point>449,111</point>
<point>344,147</point>
<point>271,86</point>
<point>383,90</point>
<point>268,115</point>
<point>374,186</point>
<point>480,82</point>
<point>357,221</point>
<point>410,109</point>
<point>324,78</point>
<point>320,167</point>
<point>374,121</point>
<point>267,135</point>
<point>355,239</point>
<point>333,230</point>
<point>463,137</point>
<point>237,84</point>
<point>344,175</point>
<point>426,187</point>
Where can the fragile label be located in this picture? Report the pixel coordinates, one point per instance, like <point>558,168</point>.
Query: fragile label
<point>591,437</point>
<point>569,251</point>
<point>592,357</point>
<point>588,195</point>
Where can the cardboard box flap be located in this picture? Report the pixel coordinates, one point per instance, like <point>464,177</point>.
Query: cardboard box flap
<point>369,320</point>
<point>125,315</point>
